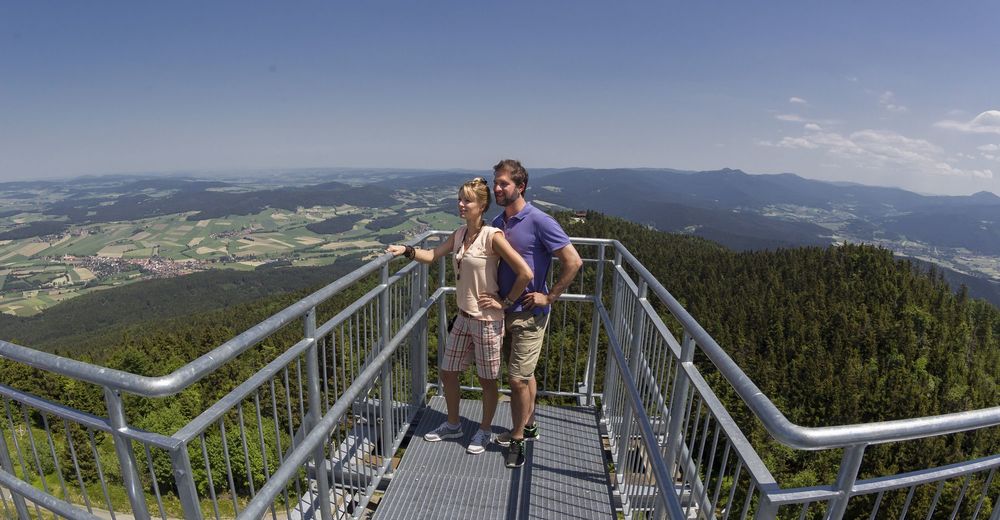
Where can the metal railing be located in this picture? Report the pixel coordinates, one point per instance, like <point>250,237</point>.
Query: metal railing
<point>313,431</point>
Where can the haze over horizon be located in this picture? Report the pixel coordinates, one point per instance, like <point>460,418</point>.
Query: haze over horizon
<point>893,94</point>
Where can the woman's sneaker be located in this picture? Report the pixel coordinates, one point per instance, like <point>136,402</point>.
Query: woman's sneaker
<point>444,431</point>
<point>479,441</point>
<point>530,434</point>
<point>515,454</point>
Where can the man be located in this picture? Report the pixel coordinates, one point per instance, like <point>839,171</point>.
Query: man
<point>535,236</point>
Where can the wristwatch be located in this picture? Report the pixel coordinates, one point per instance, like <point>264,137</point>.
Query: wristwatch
<point>507,302</point>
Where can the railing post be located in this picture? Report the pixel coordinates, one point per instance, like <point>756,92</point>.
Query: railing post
<point>126,459</point>
<point>418,339</point>
<point>385,376</point>
<point>595,328</point>
<point>765,509</point>
<point>616,303</point>
<point>315,413</point>
<point>8,466</point>
<point>184,478</point>
<point>442,322</point>
<point>848,474</point>
<point>678,399</point>
<point>635,351</point>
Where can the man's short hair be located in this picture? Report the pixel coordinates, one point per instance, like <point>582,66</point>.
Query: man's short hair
<point>517,172</point>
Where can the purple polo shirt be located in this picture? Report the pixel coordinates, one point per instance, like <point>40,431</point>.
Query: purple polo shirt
<point>535,236</point>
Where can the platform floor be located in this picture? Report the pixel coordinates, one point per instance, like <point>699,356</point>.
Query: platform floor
<point>565,475</point>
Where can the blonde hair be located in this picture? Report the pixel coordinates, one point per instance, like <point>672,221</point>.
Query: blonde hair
<point>478,190</point>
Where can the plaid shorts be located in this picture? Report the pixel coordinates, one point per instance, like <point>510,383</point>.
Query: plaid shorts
<point>474,340</point>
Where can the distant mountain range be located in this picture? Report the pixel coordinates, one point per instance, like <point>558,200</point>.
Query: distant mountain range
<point>746,211</point>
<point>731,207</point>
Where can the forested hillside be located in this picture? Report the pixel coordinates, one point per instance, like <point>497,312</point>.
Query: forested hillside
<point>87,326</point>
<point>833,335</point>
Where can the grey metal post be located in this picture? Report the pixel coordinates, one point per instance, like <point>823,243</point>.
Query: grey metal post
<point>850,464</point>
<point>418,340</point>
<point>8,466</point>
<point>315,413</point>
<point>616,303</point>
<point>678,399</point>
<point>765,509</point>
<point>442,323</point>
<point>635,351</point>
<point>385,376</point>
<point>126,459</point>
<point>595,328</point>
<point>184,478</point>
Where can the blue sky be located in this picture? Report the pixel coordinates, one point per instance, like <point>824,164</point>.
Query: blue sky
<point>888,93</point>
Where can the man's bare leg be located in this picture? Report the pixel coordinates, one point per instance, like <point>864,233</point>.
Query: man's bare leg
<point>520,406</point>
<point>529,415</point>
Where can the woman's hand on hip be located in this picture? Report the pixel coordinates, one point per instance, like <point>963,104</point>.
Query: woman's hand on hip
<point>489,301</point>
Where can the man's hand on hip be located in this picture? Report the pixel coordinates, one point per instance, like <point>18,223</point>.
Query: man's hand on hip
<point>534,299</point>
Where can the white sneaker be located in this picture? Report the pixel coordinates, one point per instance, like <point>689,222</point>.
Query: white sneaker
<point>479,441</point>
<point>444,431</point>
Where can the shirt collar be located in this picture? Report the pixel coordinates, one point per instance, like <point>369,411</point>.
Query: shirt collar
<point>520,214</point>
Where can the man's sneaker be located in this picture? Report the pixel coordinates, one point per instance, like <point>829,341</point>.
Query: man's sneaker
<point>515,454</point>
<point>444,431</point>
<point>479,441</point>
<point>530,434</point>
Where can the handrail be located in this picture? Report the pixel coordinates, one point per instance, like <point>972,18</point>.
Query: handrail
<point>664,480</point>
<point>806,437</point>
<point>317,436</point>
<point>185,376</point>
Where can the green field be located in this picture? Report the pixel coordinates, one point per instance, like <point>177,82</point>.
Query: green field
<point>39,273</point>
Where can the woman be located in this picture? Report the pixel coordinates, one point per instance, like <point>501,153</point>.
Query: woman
<point>478,329</point>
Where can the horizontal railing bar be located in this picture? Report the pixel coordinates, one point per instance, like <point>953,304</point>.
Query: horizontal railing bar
<point>61,507</point>
<point>803,437</point>
<point>661,327</point>
<point>188,374</point>
<point>664,482</point>
<point>506,391</point>
<point>85,419</point>
<point>303,451</point>
<point>751,459</point>
<point>354,306</point>
<point>219,408</point>
<point>916,478</point>
<point>802,495</point>
<point>64,412</point>
<point>633,288</point>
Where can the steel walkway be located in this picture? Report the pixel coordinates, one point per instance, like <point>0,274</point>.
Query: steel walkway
<point>565,475</point>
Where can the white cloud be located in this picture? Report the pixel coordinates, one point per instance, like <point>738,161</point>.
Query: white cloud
<point>813,127</point>
<point>792,118</point>
<point>795,118</point>
<point>879,149</point>
<point>888,101</point>
<point>987,122</point>
<point>989,147</point>
<point>797,100</point>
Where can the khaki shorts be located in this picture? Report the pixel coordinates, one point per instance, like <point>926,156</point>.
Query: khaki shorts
<point>524,333</point>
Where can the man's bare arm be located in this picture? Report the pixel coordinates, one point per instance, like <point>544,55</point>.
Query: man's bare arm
<point>571,263</point>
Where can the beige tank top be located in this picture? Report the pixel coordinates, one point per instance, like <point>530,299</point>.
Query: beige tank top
<point>476,268</point>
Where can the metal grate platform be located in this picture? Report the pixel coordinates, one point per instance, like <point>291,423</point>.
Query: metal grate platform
<point>565,475</point>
